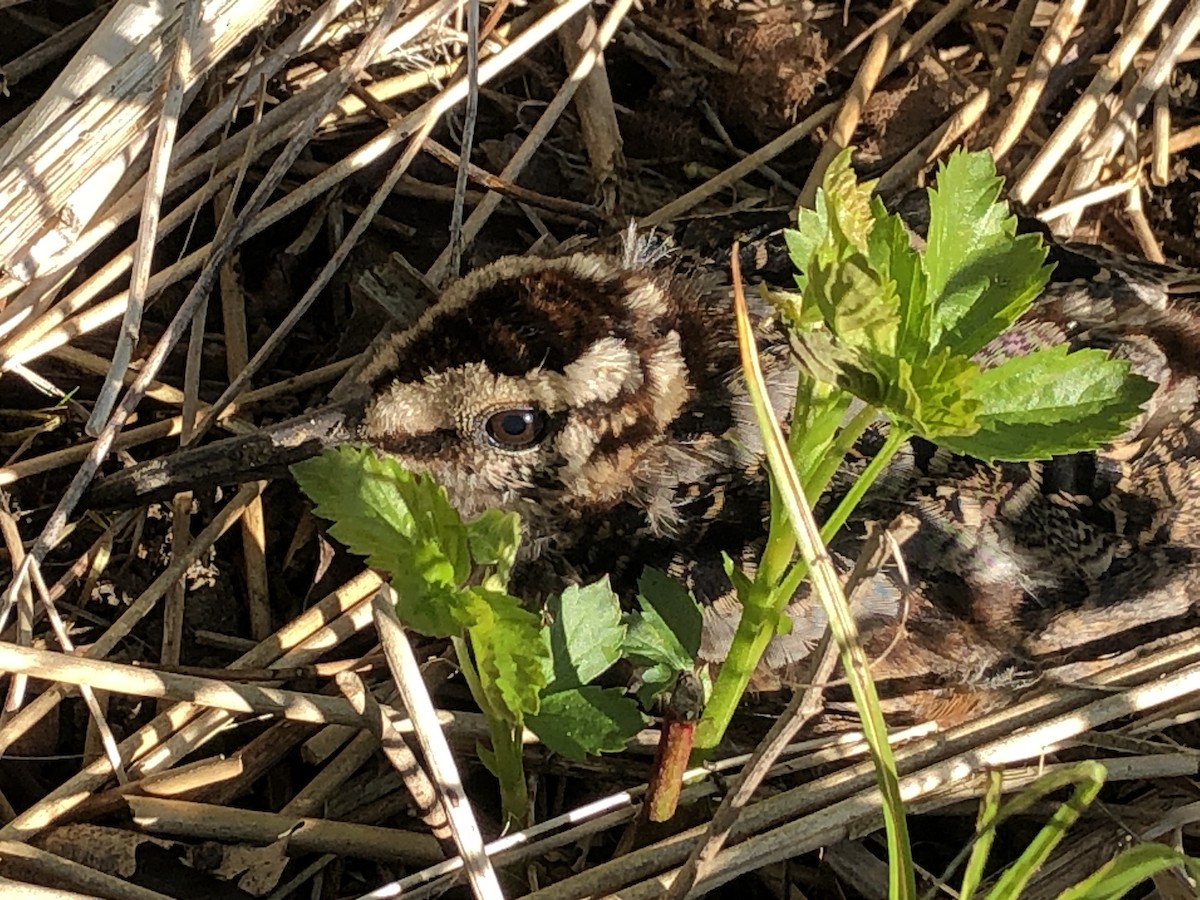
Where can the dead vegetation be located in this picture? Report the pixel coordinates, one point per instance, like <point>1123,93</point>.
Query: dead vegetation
<point>186,713</point>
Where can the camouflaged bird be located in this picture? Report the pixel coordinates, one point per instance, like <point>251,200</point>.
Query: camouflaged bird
<point>599,395</point>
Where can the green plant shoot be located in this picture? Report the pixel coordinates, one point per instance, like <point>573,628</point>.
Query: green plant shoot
<point>524,669</point>
<point>918,337</point>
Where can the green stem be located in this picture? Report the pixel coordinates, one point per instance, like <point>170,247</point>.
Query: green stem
<point>816,480</point>
<point>507,747</point>
<point>895,440</point>
<point>820,409</point>
<point>762,607</point>
<point>510,772</point>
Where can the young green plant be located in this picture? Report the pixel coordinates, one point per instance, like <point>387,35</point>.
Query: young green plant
<point>917,338</point>
<point>525,669</point>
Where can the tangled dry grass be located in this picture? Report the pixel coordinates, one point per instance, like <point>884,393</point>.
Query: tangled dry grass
<point>175,724</point>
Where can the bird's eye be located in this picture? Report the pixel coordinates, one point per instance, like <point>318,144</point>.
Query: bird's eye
<point>515,429</point>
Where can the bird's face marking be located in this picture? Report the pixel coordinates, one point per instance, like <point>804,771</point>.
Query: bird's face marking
<point>543,386</point>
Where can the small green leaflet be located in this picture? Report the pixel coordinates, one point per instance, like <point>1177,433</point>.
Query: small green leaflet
<point>584,639</point>
<point>664,635</point>
<point>510,655</point>
<point>891,252</point>
<point>585,636</point>
<point>494,538</point>
<point>586,720</point>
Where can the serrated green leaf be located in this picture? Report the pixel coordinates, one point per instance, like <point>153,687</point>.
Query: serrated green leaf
<point>404,525</point>
<point>890,252</point>
<point>494,538</point>
<point>378,508</point>
<point>509,652</point>
<point>849,206</point>
<point>664,636</point>
<point>861,310</point>
<point>934,397</point>
<point>585,721</point>
<point>337,482</point>
<point>981,276</point>
<point>428,596</point>
<point>649,642</point>
<point>585,636</point>
<point>812,226</point>
<point>671,610</point>
<point>1051,402</point>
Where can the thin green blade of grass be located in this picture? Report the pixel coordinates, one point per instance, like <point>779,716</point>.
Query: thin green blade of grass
<point>985,836</point>
<point>828,588</point>
<point>1129,868</point>
<point>1088,777</point>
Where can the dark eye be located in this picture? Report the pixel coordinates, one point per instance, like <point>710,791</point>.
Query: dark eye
<point>515,429</point>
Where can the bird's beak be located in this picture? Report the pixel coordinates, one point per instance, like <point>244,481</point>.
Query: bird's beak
<point>264,454</point>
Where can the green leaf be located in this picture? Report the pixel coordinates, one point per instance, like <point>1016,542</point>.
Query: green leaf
<point>585,634</point>
<point>379,509</point>
<point>585,721</point>
<point>890,252</point>
<point>652,681</point>
<point>494,538</point>
<point>861,308</point>
<point>664,636</point>
<point>404,525</point>
<point>849,206</point>
<point>812,226</point>
<point>1051,402</point>
<point>430,607</point>
<point>669,626</point>
<point>1128,869</point>
<point>934,397</point>
<point>509,652</point>
<point>485,755</point>
<point>982,276</point>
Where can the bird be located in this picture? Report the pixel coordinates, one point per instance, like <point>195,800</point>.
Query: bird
<point>598,394</point>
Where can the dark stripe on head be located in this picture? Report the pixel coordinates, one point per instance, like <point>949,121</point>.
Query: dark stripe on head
<point>642,428</point>
<point>546,318</point>
<point>433,443</point>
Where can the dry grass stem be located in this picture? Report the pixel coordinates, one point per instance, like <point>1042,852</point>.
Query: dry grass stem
<point>442,768</point>
<point>183,818</point>
<point>1082,115</point>
<point>850,112</point>
<point>152,200</point>
<point>52,189</point>
<point>34,863</point>
<point>397,751</point>
<point>537,134</point>
<point>1034,81</point>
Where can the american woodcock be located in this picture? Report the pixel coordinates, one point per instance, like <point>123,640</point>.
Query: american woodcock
<point>599,395</point>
